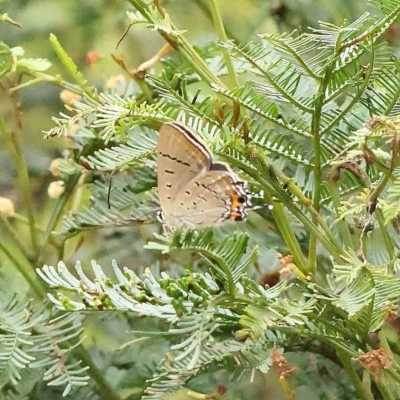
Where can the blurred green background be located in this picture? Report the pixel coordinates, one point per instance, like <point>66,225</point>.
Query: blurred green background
<point>84,26</point>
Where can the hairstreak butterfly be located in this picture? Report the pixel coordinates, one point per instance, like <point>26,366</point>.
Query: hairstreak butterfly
<point>194,190</point>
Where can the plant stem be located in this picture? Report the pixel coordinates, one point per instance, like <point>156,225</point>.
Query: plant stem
<point>182,45</point>
<point>58,211</point>
<point>306,202</point>
<point>37,288</point>
<point>279,215</point>
<point>20,218</point>
<point>13,146</point>
<point>385,392</point>
<point>315,131</point>
<point>106,391</point>
<point>39,77</point>
<point>385,234</point>
<point>223,38</point>
<point>343,226</point>
<point>362,392</point>
<point>10,231</point>
<point>208,14</point>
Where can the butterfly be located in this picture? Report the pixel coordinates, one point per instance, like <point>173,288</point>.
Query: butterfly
<point>194,190</point>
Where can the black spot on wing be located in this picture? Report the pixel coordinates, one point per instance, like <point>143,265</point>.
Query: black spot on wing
<point>209,189</point>
<point>179,161</point>
<point>169,171</point>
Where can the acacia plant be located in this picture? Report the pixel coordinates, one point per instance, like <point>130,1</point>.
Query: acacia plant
<point>312,122</point>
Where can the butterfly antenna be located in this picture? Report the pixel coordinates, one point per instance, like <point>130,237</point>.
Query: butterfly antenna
<point>109,190</point>
<point>123,35</point>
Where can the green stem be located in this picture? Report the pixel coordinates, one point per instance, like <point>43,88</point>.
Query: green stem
<point>384,389</point>
<point>25,221</point>
<point>396,95</point>
<point>373,196</point>
<point>316,134</point>
<point>362,391</point>
<point>106,391</point>
<point>223,38</point>
<point>343,226</point>
<point>385,234</point>
<point>13,146</point>
<point>58,211</point>
<point>306,202</point>
<point>280,217</point>
<point>208,14</point>
<point>10,231</point>
<point>37,288</point>
<point>182,45</point>
<point>364,244</point>
<point>39,77</point>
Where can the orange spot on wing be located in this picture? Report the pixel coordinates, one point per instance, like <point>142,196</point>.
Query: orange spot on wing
<point>237,203</point>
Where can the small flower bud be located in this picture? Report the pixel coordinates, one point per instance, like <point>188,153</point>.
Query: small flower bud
<point>54,170</point>
<point>377,121</point>
<point>114,81</point>
<point>280,362</point>
<point>6,207</point>
<point>375,361</point>
<point>71,133</point>
<point>93,56</point>
<point>72,129</point>
<point>67,97</point>
<point>287,271</point>
<point>56,189</point>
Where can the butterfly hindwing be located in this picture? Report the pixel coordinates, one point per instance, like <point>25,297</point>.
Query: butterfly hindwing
<point>207,200</point>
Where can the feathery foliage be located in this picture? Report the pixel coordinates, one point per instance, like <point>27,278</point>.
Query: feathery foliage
<point>310,121</point>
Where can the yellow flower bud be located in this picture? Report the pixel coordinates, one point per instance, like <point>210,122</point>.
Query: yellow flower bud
<point>287,271</point>
<point>114,81</point>
<point>67,97</point>
<point>6,207</point>
<point>71,133</point>
<point>72,129</point>
<point>56,189</point>
<point>54,167</point>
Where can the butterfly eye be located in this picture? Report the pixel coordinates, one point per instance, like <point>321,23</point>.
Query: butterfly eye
<point>241,199</point>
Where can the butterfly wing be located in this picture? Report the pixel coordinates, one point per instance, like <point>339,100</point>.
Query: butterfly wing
<point>211,198</point>
<point>194,191</point>
<point>180,157</point>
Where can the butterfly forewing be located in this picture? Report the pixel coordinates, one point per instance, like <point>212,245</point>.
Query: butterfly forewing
<point>180,157</point>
